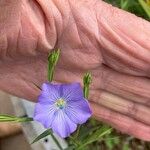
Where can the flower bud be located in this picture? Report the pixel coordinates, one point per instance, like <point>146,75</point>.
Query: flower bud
<point>54,56</point>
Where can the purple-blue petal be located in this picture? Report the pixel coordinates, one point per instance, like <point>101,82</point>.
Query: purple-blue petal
<point>49,93</point>
<point>46,100</point>
<point>45,114</point>
<point>71,92</point>
<point>62,125</point>
<point>79,112</point>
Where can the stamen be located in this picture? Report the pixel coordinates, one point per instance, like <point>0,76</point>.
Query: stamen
<point>60,103</point>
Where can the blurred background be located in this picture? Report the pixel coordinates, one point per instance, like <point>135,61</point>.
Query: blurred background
<point>16,137</point>
<point>10,134</point>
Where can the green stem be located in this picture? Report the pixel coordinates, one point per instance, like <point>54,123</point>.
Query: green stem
<point>77,133</point>
<point>74,141</point>
<point>56,141</point>
<point>13,119</point>
<point>86,91</point>
<point>50,72</point>
<point>25,119</point>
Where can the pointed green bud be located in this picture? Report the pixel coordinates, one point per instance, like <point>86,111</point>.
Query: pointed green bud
<point>54,56</point>
<point>52,61</point>
<point>87,79</point>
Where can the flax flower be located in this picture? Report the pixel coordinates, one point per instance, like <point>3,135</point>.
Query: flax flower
<point>61,107</point>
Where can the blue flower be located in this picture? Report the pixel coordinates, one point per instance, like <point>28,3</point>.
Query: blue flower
<point>61,107</point>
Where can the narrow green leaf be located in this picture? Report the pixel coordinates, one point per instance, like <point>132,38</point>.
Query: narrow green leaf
<point>42,135</point>
<point>124,4</point>
<point>145,6</point>
<point>102,131</point>
<point>85,132</point>
<point>109,143</point>
<point>45,134</point>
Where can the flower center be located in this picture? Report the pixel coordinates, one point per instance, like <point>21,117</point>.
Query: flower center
<point>60,103</point>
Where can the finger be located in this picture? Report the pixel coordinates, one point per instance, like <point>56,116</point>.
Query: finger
<point>127,86</point>
<point>120,105</point>
<point>122,122</point>
<point>124,39</point>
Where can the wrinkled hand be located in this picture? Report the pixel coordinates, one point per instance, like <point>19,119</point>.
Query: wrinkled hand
<point>92,35</point>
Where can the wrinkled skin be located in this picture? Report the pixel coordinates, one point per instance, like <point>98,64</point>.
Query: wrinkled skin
<point>114,45</point>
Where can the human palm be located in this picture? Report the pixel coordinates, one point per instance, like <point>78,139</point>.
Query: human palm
<point>93,36</point>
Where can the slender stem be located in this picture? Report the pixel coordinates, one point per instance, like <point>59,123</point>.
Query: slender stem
<point>77,133</point>
<point>87,79</point>
<point>17,119</point>
<point>56,141</point>
<point>50,72</point>
<point>86,91</point>
<point>24,119</point>
<point>74,141</point>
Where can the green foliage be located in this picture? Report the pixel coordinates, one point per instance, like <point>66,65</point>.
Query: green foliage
<point>124,4</point>
<point>95,136</point>
<point>145,6</point>
<point>90,135</point>
<point>111,141</point>
<point>138,7</point>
